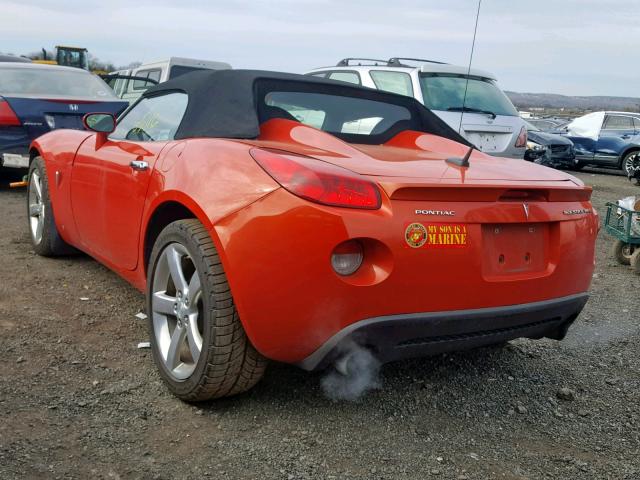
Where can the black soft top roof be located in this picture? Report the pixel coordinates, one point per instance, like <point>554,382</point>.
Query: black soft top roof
<point>224,103</point>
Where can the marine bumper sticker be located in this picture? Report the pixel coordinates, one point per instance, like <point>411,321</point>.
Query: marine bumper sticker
<point>442,235</point>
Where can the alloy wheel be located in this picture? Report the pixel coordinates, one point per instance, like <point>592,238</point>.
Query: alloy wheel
<point>36,207</point>
<point>176,303</point>
<point>631,162</point>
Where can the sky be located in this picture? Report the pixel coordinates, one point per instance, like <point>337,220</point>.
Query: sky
<point>572,47</point>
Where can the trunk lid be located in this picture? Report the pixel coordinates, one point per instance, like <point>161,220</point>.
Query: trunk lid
<point>409,155</point>
<point>403,162</point>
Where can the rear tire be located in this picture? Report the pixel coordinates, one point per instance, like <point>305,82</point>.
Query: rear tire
<point>45,239</point>
<point>629,161</point>
<point>623,252</point>
<point>197,339</point>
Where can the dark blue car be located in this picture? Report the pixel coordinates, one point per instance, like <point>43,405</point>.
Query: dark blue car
<point>605,139</point>
<point>35,99</point>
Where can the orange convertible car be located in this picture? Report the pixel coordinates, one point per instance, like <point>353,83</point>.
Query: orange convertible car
<point>283,217</point>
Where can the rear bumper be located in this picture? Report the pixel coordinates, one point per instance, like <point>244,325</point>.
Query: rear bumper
<point>276,254</point>
<point>397,337</point>
<point>14,147</point>
<point>14,160</point>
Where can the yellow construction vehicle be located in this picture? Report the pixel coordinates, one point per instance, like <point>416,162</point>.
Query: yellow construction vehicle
<point>68,56</point>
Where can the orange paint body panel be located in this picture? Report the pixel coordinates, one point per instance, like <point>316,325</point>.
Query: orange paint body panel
<point>520,245</point>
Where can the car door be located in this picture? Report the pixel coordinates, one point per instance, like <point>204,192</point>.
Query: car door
<point>109,181</point>
<point>617,132</point>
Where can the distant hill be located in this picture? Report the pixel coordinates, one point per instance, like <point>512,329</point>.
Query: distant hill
<point>553,101</point>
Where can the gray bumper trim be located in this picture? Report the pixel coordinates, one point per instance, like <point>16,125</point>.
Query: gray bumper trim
<point>395,337</point>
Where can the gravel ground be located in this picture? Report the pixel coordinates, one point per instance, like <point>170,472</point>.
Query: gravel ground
<point>78,399</point>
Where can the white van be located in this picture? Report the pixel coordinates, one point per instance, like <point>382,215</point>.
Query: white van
<point>131,83</point>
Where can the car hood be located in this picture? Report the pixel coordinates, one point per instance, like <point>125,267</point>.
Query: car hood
<point>409,154</point>
<point>544,138</point>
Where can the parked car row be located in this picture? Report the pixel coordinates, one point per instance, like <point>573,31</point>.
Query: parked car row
<point>489,119</point>
<point>605,139</point>
<point>469,101</point>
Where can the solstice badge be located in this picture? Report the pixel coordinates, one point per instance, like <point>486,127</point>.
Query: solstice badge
<point>415,235</point>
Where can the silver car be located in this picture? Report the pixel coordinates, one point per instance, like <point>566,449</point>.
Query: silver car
<point>489,121</point>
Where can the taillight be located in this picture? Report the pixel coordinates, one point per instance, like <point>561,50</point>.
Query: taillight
<point>521,141</point>
<point>7,115</point>
<point>318,181</point>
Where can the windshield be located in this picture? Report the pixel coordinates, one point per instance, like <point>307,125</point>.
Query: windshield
<point>51,82</point>
<point>445,92</point>
<point>530,127</point>
<point>358,119</point>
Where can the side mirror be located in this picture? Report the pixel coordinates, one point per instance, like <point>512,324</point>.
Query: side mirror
<point>99,122</point>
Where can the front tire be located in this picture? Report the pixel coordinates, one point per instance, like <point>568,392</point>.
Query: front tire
<point>197,339</point>
<point>45,239</point>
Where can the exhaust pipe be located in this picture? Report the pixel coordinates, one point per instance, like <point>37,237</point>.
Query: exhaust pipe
<point>342,364</point>
<point>354,373</point>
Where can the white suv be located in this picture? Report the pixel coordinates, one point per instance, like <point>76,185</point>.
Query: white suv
<point>489,121</point>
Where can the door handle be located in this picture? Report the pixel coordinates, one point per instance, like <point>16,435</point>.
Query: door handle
<point>139,165</point>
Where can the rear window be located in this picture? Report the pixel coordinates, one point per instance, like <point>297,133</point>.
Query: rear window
<point>359,120</point>
<point>445,92</point>
<point>51,82</point>
<point>178,70</point>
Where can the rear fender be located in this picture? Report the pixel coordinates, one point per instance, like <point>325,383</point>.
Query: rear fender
<point>212,179</point>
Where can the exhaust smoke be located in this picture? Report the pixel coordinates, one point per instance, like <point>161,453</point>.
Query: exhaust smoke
<point>355,373</point>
